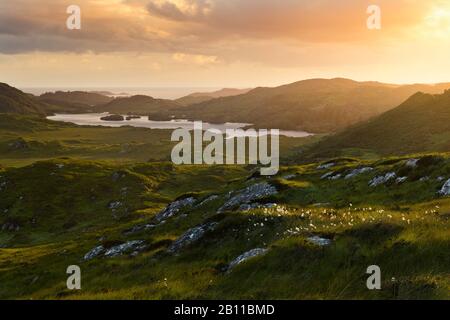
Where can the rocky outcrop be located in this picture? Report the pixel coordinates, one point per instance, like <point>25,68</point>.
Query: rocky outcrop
<point>379,180</point>
<point>357,172</point>
<point>445,190</point>
<point>130,247</point>
<point>208,200</point>
<point>10,226</point>
<point>174,208</point>
<point>412,163</point>
<point>191,236</point>
<point>246,256</point>
<point>326,166</point>
<point>319,241</point>
<point>401,180</point>
<point>248,195</point>
<point>139,228</point>
<point>94,253</point>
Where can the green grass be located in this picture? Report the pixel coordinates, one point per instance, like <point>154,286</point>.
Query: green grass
<point>402,228</point>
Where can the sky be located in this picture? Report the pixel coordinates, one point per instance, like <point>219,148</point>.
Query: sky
<point>221,43</point>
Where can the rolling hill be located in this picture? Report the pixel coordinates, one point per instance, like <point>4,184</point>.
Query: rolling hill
<point>420,124</point>
<point>317,105</point>
<point>200,97</point>
<point>73,101</point>
<point>13,100</point>
<point>139,105</point>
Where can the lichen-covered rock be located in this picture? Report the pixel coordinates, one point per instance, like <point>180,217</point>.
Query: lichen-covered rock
<point>412,163</point>
<point>208,200</point>
<point>357,172</point>
<point>113,205</point>
<point>140,227</point>
<point>249,194</point>
<point>246,256</point>
<point>94,253</point>
<point>445,190</point>
<point>10,226</point>
<point>400,180</point>
<point>128,247</point>
<point>379,180</point>
<point>326,175</point>
<point>191,236</point>
<point>326,166</point>
<point>174,208</point>
<point>335,177</point>
<point>132,247</point>
<point>319,241</point>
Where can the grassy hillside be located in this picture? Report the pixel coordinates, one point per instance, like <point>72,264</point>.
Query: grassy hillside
<point>57,211</point>
<point>422,123</point>
<point>73,101</point>
<point>313,105</point>
<point>199,97</point>
<point>13,100</point>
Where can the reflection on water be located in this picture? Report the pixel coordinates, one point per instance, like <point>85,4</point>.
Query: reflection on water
<point>93,119</point>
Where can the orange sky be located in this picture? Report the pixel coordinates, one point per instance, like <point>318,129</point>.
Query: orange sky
<point>221,43</point>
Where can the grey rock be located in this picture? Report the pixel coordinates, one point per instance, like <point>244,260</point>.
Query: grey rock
<point>401,180</point>
<point>357,172</point>
<point>412,163</point>
<point>113,205</point>
<point>207,200</point>
<point>191,236</point>
<point>326,166</point>
<point>335,177</point>
<point>379,180</point>
<point>174,208</point>
<point>139,228</point>
<point>423,179</point>
<point>289,176</point>
<point>19,144</point>
<point>10,226</point>
<point>319,241</point>
<point>445,190</point>
<point>94,253</point>
<point>249,194</point>
<point>247,256</point>
<point>130,246</point>
<point>327,175</point>
<point>440,179</point>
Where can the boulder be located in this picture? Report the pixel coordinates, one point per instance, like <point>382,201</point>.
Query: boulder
<point>132,247</point>
<point>357,172</point>
<point>191,236</point>
<point>249,194</point>
<point>174,208</point>
<point>127,247</point>
<point>445,190</point>
<point>247,256</point>
<point>94,253</point>
<point>319,241</point>
<point>326,166</point>
<point>400,180</point>
<point>412,163</point>
<point>379,180</point>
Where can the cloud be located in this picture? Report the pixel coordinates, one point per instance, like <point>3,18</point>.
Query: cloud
<point>180,10</point>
